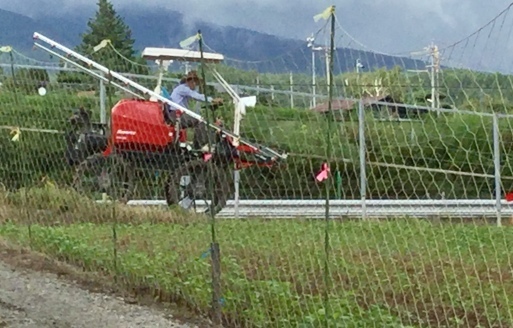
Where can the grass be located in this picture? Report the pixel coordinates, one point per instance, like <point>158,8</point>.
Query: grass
<point>400,273</point>
<point>455,142</point>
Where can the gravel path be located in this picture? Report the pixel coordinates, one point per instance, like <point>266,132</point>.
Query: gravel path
<point>39,300</point>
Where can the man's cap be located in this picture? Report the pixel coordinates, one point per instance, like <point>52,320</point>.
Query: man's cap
<point>192,75</point>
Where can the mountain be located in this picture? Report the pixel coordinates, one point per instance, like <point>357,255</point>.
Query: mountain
<point>17,31</point>
<point>164,28</point>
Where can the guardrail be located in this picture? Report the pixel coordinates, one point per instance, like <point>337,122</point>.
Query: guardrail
<point>457,208</point>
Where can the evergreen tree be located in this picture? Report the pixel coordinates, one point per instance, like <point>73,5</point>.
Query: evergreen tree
<point>107,25</point>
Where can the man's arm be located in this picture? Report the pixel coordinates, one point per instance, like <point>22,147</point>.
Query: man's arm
<point>195,95</point>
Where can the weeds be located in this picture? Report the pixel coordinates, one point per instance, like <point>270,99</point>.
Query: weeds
<point>402,273</point>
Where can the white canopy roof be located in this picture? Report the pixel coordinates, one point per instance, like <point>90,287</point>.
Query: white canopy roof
<point>180,55</point>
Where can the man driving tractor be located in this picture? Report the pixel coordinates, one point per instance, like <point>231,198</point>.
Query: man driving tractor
<point>181,95</point>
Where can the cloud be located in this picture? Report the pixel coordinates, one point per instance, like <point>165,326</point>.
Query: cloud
<point>383,25</point>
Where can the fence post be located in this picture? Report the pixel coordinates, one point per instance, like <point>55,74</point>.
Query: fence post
<point>103,113</point>
<point>214,245</point>
<point>497,165</point>
<point>236,178</point>
<point>103,102</point>
<point>216,282</point>
<point>114,228</point>
<point>362,151</point>
<point>291,91</point>
<point>14,80</point>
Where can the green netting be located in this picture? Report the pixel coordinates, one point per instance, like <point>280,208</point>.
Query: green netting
<point>403,131</point>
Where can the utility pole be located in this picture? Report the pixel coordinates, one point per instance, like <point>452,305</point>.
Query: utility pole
<point>314,85</point>
<point>327,53</point>
<point>358,66</point>
<point>435,69</point>
<point>436,55</point>
<point>310,45</point>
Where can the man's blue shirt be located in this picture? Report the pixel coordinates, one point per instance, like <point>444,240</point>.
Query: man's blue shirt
<point>181,95</point>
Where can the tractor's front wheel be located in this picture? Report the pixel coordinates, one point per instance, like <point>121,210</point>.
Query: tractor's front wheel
<point>110,175</point>
<point>189,187</point>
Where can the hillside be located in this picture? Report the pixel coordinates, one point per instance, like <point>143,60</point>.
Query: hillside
<point>17,31</point>
<point>154,27</point>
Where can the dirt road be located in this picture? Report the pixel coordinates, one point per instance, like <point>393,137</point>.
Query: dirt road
<point>30,299</point>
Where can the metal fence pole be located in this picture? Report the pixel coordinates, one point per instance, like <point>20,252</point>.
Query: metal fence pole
<point>497,165</point>
<point>362,151</point>
<point>236,176</point>
<point>291,90</point>
<point>103,112</point>
<point>103,102</point>
<point>314,88</point>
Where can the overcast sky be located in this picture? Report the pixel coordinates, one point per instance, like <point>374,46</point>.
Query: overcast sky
<point>391,26</point>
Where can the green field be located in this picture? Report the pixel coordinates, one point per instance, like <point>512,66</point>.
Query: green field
<point>286,273</point>
<point>398,273</point>
<point>408,159</point>
<point>402,157</point>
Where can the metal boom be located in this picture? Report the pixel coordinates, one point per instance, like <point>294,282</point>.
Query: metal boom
<point>89,62</point>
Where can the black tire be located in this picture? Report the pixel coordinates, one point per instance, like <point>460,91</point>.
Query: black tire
<point>101,169</point>
<point>199,173</point>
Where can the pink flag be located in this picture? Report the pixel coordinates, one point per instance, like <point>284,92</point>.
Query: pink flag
<point>207,157</point>
<point>323,174</point>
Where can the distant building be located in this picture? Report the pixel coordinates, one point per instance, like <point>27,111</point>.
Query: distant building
<point>383,111</point>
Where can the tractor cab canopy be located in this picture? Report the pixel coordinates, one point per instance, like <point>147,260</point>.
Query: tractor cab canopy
<point>170,54</point>
<point>165,56</point>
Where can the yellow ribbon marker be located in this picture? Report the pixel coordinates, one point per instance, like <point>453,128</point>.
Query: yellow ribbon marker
<point>16,134</point>
<point>101,45</point>
<point>190,40</point>
<point>6,49</point>
<point>325,14</point>
<point>47,182</point>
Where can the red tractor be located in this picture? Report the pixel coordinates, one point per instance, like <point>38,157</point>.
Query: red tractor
<point>142,137</point>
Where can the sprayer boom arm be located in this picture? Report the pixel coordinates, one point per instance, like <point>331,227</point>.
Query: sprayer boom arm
<point>146,91</point>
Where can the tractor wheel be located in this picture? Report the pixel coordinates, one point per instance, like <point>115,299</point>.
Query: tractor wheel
<point>100,174</point>
<point>189,187</point>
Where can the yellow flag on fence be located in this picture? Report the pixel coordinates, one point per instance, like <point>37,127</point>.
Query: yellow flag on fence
<point>5,49</point>
<point>325,14</point>
<point>101,45</point>
<point>190,40</point>
<point>16,134</point>
<point>47,182</point>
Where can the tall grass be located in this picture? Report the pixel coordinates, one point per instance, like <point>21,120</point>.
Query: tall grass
<point>399,273</point>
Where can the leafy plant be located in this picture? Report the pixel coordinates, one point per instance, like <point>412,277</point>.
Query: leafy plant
<point>401,273</point>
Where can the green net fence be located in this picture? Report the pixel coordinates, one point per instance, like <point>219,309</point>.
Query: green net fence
<point>415,149</point>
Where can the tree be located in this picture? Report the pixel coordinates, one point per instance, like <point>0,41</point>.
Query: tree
<point>119,56</point>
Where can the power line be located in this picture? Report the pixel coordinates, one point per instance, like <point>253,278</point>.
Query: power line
<point>492,21</point>
<point>363,45</point>
<point>401,54</point>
